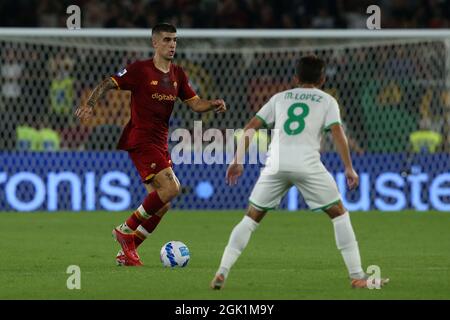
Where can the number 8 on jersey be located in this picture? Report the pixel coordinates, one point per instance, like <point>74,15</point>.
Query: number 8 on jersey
<point>289,126</point>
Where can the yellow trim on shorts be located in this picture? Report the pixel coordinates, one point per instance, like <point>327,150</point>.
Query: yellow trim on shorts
<point>149,177</point>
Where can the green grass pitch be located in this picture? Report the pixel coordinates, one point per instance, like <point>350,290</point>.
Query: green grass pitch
<point>292,255</point>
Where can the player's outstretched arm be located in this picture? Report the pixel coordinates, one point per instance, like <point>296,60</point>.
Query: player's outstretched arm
<point>84,112</point>
<point>202,105</point>
<point>236,167</point>
<point>340,139</point>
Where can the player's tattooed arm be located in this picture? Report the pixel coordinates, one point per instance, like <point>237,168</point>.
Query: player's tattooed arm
<point>100,91</point>
<point>84,112</point>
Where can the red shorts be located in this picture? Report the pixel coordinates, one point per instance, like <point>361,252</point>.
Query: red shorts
<point>149,161</point>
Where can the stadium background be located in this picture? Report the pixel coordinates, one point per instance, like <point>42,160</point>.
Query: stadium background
<point>394,92</point>
<point>394,96</point>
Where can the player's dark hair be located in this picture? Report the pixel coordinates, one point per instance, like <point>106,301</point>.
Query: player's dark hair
<point>310,69</point>
<point>164,27</point>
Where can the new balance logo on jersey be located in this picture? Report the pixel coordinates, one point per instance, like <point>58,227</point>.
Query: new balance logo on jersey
<point>122,73</point>
<point>154,82</point>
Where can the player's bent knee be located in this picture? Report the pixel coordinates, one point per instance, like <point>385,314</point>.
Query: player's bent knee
<point>255,214</point>
<point>170,192</point>
<point>336,210</point>
<point>176,189</point>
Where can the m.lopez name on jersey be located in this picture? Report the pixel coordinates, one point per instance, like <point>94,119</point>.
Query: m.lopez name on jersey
<point>165,97</point>
<point>303,96</point>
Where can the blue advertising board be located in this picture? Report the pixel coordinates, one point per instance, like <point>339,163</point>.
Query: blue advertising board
<point>75,181</point>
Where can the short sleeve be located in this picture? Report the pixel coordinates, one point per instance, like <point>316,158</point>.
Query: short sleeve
<point>128,78</point>
<point>267,113</point>
<point>185,92</point>
<point>333,115</point>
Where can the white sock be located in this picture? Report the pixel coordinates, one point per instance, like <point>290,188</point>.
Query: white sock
<point>346,243</point>
<point>238,241</point>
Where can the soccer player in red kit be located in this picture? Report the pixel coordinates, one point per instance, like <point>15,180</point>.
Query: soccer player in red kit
<point>155,84</point>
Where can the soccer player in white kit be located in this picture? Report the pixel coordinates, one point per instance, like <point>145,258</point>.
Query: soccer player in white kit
<point>299,116</point>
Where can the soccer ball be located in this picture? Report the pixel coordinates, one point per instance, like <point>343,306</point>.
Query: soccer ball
<point>175,254</point>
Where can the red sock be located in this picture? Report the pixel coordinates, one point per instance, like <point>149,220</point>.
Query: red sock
<point>134,220</point>
<point>138,239</point>
<point>152,203</point>
<point>149,225</point>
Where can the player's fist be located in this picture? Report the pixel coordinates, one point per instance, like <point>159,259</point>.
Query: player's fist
<point>84,113</point>
<point>234,171</point>
<point>352,178</point>
<point>219,105</point>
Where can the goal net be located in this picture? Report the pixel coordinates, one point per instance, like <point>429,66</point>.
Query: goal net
<point>393,92</point>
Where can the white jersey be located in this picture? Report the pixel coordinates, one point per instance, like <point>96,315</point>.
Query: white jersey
<point>300,116</point>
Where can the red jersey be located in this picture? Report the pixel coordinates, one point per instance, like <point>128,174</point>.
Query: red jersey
<point>153,95</point>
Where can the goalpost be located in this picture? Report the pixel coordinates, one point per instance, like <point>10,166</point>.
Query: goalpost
<point>389,84</point>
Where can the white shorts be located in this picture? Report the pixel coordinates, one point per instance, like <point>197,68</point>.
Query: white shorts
<point>319,189</point>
